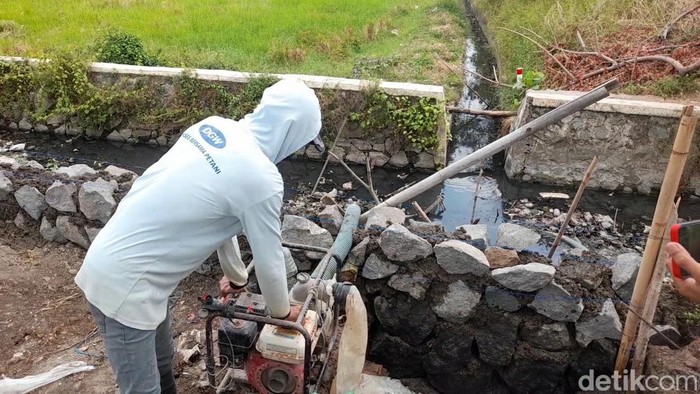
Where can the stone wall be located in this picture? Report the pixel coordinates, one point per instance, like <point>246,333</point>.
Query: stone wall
<point>465,313</point>
<point>353,146</point>
<point>632,139</point>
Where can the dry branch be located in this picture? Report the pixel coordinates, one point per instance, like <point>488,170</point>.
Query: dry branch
<point>370,183</point>
<point>607,58</point>
<point>667,28</point>
<point>574,204</point>
<point>357,178</point>
<point>483,112</point>
<point>323,169</point>
<point>420,212</point>
<point>501,84</point>
<point>680,68</point>
<point>543,48</point>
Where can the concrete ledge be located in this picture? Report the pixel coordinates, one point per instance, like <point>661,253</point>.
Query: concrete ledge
<point>314,81</point>
<point>614,103</point>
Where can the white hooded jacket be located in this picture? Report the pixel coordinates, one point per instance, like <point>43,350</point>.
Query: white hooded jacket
<point>217,181</point>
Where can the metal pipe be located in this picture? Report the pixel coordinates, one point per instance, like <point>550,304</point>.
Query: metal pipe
<point>500,144</point>
<point>310,248</point>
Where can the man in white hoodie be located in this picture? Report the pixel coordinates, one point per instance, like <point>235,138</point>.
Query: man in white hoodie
<point>219,180</point>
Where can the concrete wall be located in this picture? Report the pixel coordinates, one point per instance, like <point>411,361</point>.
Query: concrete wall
<point>632,139</point>
<point>353,146</point>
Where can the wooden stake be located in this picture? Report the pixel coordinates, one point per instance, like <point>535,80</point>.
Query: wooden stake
<point>645,332</point>
<point>437,202</point>
<point>574,204</point>
<point>323,169</point>
<point>369,178</point>
<point>672,178</point>
<point>357,178</point>
<point>476,194</point>
<point>420,211</point>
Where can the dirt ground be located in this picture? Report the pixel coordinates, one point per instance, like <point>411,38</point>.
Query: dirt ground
<point>45,321</point>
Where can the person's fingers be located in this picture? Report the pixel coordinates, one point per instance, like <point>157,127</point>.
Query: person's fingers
<point>681,257</point>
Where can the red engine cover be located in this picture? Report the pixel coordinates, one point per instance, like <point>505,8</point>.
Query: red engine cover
<point>274,377</point>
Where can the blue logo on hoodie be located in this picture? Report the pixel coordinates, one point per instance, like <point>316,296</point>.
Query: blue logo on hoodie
<point>212,136</point>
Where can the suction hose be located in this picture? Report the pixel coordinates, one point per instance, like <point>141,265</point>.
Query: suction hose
<point>353,344</point>
<point>341,247</point>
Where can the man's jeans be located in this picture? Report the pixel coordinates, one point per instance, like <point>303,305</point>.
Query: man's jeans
<point>141,359</point>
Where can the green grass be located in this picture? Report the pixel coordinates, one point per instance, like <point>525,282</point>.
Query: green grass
<point>408,40</point>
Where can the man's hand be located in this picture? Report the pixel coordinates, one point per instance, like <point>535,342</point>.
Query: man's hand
<point>690,286</point>
<point>227,290</point>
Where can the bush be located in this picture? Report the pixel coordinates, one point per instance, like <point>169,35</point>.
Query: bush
<point>124,48</point>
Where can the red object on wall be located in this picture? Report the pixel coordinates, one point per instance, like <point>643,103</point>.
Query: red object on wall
<point>274,377</point>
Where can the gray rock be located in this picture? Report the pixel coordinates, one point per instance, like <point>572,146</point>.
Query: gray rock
<point>61,196</point>
<point>557,304</point>
<point>377,268</point>
<point>451,351</point>
<point>115,136</point>
<point>476,377</point>
<point>361,144</point>
<point>41,128</point>
<point>501,299</point>
<point>669,331</point>
<point>96,200</point>
<point>117,172</point>
<point>496,340</point>
<point>31,200</point>
<point>399,159</point>
<point>50,232</point>
<point>358,253</point>
<point>33,164</point>
<point>458,257</point>
<point>92,232</point>
<point>299,230</point>
<point>331,218</point>
<point>625,274</point>
<point>378,158</point>
<point>553,337</point>
<point>76,170</point>
<point>535,371</point>
<point>476,231</point>
<point>398,316</point>
<point>425,228</point>
<point>313,153</point>
<point>516,237</point>
<point>458,304</point>
<point>605,325</point>
<point>9,162</point>
<point>355,156</point>
<point>17,147</point>
<point>5,187</point>
<point>425,160</point>
<point>415,285</point>
<point>383,217</point>
<point>24,125</point>
<point>399,244</point>
<point>72,232</point>
<point>396,355</point>
<point>501,258</point>
<point>526,277</point>
<point>21,221</point>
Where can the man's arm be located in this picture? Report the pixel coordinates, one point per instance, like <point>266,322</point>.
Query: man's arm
<point>261,224</point>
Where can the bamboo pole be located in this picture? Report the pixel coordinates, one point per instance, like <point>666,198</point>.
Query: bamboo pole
<point>476,194</point>
<point>484,112</point>
<point>357,178</point>
<point>328,158</point>
<point>645,332</point>
<point>500,144</point>
<point>420,211</point>
<point>574,204</point>
<point>674,170</point>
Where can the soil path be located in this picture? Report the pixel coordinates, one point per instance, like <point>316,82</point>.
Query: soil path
<point>45,321</point>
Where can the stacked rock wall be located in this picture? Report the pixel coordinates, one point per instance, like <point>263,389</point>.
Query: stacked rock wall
<point>451,308</point>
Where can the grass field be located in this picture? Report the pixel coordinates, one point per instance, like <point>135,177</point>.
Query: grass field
<point>389,39</point>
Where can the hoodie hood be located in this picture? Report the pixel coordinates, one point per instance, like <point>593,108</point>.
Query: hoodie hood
<point>287,119</point>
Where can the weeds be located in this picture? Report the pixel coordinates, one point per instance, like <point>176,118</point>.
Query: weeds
<point>10,29</point>
<point>118,46</point>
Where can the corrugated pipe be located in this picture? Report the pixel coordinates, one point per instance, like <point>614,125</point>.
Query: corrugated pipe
<point>342,245</point>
